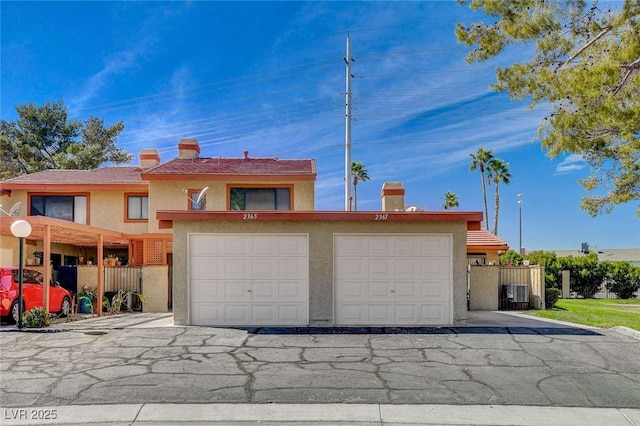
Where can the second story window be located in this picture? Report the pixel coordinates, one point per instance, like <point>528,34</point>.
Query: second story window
<point>66,207</point>
<point>137,207</point>
<point>260,199</point>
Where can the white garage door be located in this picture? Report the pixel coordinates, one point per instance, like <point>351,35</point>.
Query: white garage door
<point>248,279</point>
<point>387,280</point>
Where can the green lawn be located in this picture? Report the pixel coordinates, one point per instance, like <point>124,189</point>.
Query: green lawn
<point>596,312</point>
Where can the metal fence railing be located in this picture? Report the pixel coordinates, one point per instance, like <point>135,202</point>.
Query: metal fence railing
<point>125,278</point>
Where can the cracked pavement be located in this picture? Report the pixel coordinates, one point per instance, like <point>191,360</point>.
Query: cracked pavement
<point>105,362</point>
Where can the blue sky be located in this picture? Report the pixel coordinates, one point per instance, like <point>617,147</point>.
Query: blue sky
<point>269,77</point>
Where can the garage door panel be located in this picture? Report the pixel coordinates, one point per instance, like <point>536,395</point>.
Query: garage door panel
<point>292,247</point>
<point>248,279</point>
<point>410,284</point>
<point>292,314</point>
<point>378,268</point>
<point>406,313</point>
<point>352,290</point>
<point>352,313</point>
<point>290,291</point>
<point>263,268</point>
<point>406,290</point>
<point>235,291</point>
<point>435,268</point>
<point>379,314</point>
<point>209,313</point>
<point>207,291</point>
<point>263,314</point>
<point>406,268</point>
<point>237,314</point>
<point>379,246</point>
<point>206,245</point>
<point>351,268</point>
<point>433,290</point>
<point>236,246</point>
<point>406,246</point>
<point>350,246</point>
<point>436,246</point>
<point>435,314</point>
<point>205,269</point>
<point>263,291</point>
<point>380,290</point>
<point>291,268</point>
<point>262,246</point>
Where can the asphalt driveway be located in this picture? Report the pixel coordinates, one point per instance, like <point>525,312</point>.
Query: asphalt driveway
<point>143,358</point>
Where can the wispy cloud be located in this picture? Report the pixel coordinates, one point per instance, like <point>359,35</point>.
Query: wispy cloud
<point>571,163</point>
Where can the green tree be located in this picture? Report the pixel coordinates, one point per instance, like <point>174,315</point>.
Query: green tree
<point>498,171</point>
<point>587,274</point>
<point>624,279</point>
<point>586,66</point>
<point>450,200</point>
<point>359,174</point>
<point>43,138</point>
<point>510,257</point>
<point>479,161</point>
<point>552,267</point>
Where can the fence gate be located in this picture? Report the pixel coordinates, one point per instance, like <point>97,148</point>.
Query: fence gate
<point>129,279</point>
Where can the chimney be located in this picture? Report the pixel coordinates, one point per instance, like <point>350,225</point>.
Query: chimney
<point>246,155</point>
<point>392,197</point>
<point>149,158</point>
<point>188,149</point>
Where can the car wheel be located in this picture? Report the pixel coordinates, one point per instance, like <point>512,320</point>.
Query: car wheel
<point>14,312</point>
<point>65,308</point>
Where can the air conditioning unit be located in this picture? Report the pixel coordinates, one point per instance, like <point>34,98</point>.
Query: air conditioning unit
<point>516,293</point>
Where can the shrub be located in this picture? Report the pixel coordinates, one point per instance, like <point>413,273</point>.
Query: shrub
<point>36,318</point>
<point>624,279</point>
<point>587,275</point>
<point>121,300</point>
<point>551,296</point>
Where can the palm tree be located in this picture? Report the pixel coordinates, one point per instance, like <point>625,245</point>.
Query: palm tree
<point>479,161</point>
<point>450,200</point>
<point>498,171</point>
<point>359,173</point>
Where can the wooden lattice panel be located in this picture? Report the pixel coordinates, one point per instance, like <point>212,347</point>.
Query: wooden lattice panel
<point>137,252</point>
<point>154,251</point>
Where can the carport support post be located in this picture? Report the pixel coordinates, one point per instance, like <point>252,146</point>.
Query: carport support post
<point>46,266</point>
<point>100,255</point>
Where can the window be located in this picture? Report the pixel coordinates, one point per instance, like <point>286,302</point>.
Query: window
<point>476,259</point>
<point>137,207</point>
<point>260,199</point>
<point>193,196</point>
<point>66,207</point>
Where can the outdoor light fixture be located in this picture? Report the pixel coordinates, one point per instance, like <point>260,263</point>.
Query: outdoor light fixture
<point>20,229</point>
<point>520,208</point>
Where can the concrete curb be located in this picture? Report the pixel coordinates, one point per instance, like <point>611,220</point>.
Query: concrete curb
<point>630,332</point>
<point>371,414</point>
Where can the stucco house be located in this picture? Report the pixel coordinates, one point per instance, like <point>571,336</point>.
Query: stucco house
<point>256,252</point>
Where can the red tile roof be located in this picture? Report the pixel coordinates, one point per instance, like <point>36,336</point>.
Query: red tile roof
<point>233,166</point>
<point>103,175</point>
<point>483,239</point>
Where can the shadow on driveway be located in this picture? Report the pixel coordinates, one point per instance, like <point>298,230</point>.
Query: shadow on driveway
<point>544,331</point>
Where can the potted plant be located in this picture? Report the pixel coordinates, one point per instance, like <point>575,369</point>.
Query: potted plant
<point>38,257</point>
<point>86,299</point>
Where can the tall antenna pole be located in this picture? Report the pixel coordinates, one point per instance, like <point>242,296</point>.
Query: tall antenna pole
<point>347,134</point>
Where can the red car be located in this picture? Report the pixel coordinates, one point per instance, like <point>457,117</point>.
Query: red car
<point>32,289</point>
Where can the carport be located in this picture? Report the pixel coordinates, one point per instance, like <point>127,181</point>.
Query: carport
<point>51,230</point>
